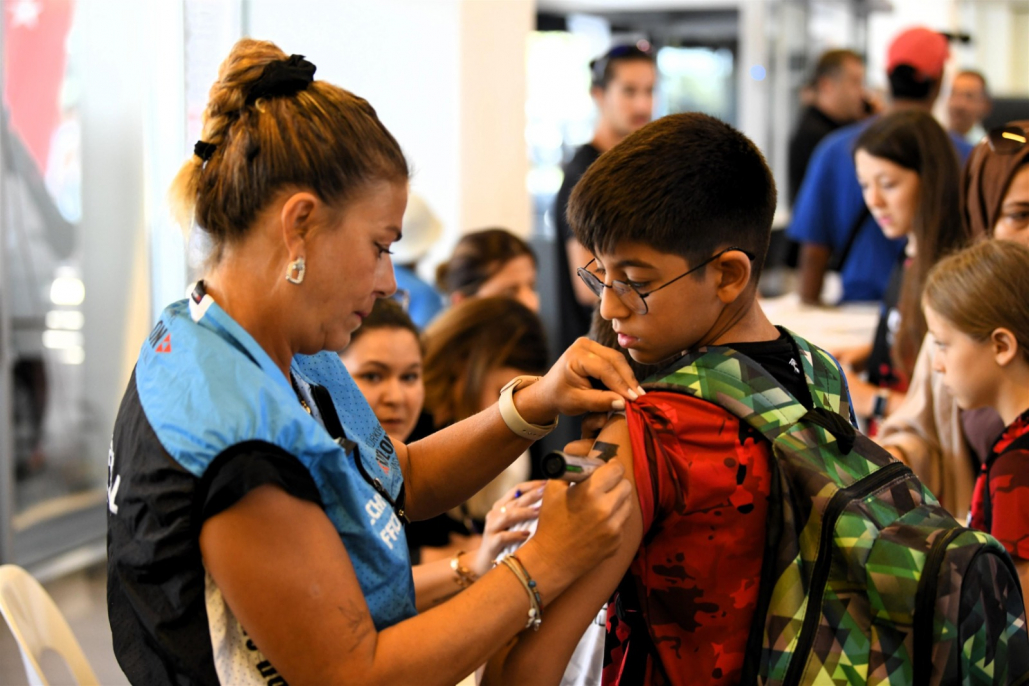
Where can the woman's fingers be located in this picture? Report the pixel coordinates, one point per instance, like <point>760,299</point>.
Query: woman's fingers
<point>589,359</point>
<point>580,448</point>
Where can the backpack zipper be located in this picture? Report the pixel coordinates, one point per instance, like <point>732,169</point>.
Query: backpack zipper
<point>894,471</point>
<point>925,601</point>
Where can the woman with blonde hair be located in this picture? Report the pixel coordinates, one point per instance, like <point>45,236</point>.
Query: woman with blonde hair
<point>256,506</point>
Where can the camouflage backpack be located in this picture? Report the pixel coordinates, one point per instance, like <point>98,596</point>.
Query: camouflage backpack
<point>866,578</point>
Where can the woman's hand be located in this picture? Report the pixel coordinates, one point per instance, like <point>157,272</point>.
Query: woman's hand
<point>581,525</point>
<point>514,507</point>
<point>566,387</point>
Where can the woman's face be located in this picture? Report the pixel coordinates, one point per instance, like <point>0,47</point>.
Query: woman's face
<point>1013,223</point>
<point>890,191</point>
<point>516,280</point>
<point>386,364</point>
<point>348,266</point>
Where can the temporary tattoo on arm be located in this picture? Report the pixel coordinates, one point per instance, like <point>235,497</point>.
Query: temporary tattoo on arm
<point>604,451</point>
<point>359,623</point>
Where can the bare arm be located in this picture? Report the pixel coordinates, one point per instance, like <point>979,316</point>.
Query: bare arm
<point>1023,573</point>
<point>446,468</point>
<point>811,267</point>
<point>579,256</point>
<point>294,589</point>
<point>542,657</point>
<point>436,581</point>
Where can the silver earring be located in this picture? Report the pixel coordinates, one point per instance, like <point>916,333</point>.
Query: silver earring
<point>295,271</point>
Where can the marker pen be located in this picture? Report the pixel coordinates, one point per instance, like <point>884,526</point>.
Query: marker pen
<point>561,465</point>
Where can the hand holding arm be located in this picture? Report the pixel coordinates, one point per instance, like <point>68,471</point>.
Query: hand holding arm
<point>446,468</point>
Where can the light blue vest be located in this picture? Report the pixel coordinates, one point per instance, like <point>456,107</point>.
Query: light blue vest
<point>206,385</point>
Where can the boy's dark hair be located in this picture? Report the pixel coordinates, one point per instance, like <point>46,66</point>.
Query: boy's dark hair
<point>603,68</point>
<point>387,314</point>
<point>686,184</point>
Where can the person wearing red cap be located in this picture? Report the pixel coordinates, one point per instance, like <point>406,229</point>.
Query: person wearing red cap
<point>830,220</point>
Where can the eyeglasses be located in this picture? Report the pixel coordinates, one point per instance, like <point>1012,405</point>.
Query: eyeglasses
<point>627,293</point>
<point>1007,140</point>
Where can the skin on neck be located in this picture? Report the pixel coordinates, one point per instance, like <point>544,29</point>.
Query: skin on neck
<point>748,325</point>
<point>1013,391</point>
<point>247,283</point>
<point>605,137</point>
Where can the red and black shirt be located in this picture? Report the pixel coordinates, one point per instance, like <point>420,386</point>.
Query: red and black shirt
<point>1000,502</point>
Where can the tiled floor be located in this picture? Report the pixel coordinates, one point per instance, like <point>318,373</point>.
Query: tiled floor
<point>82,597</point>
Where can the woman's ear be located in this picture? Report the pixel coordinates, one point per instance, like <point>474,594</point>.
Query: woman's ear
<point>297,219</point>
<point>734,269</point>
<point>1005,346</point>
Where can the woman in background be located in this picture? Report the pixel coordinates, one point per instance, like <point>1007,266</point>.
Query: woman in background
<point>908,172</point>
<point>384,358</point>
<point>471,352</point>
<point>489,263</point>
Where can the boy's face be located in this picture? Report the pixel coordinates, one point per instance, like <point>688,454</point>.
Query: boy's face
<point>680,317</point>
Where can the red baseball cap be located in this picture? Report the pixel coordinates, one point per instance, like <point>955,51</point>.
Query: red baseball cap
<point>924,50</point>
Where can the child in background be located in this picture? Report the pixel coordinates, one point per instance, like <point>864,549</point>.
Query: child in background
<point>975,306</point>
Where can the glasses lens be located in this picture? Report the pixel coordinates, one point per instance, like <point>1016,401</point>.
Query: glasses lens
<point>1006,140</point>
<point>628,295</point>
<point>591,281</point>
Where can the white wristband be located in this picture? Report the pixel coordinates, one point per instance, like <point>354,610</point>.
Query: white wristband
<point>510,413</point>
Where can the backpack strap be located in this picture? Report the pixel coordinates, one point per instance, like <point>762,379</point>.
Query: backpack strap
<point>744,388</point>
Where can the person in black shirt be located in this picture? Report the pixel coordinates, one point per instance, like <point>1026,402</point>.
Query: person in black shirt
<point>623,89</point>
<point>838,85</point>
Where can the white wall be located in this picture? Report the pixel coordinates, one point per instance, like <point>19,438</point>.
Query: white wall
<point>447,77</point>
<point>1000,46</point>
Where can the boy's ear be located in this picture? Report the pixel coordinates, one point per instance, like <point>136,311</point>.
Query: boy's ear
<point>733,275</point>
<point>1005,346</point>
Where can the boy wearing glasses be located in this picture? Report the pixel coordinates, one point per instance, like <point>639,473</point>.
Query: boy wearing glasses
<point>679,218</point>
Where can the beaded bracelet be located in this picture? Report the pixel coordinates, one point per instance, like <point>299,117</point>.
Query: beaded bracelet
<point>463,576</point>
<point>529,584</point>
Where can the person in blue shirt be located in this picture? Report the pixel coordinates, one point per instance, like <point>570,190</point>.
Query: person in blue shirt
<point>830,219</point>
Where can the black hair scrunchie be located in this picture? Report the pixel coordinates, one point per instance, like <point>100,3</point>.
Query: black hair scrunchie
<point>282,77</point>
<point>204,150</point>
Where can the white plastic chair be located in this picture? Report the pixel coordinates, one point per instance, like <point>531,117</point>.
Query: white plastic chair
<point>37,624</point>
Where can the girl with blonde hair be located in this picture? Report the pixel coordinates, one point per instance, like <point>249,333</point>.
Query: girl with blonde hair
<point>975,306</point>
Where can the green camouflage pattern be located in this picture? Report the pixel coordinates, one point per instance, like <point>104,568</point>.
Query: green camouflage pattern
<point>886,528</point>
